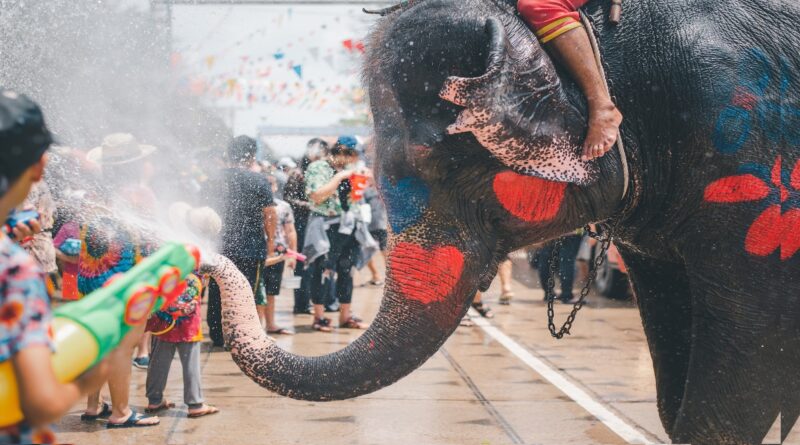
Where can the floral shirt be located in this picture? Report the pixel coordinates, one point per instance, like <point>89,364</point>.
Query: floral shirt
<point>181,322</point>
<point>24,321</point>
<point>318,174</point>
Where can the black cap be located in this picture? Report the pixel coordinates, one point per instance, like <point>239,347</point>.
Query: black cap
<point>24,137</point>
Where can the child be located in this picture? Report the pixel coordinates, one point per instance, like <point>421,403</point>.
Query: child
<point>286,236</point>
<point>24,305</point>
<point>178,328</point>
<point>558,27</point>
<point>68,244</point>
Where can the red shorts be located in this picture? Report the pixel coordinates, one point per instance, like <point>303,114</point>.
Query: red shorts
<point>551,18</point>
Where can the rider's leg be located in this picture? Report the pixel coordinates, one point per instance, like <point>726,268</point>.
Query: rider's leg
<point>558,27</point>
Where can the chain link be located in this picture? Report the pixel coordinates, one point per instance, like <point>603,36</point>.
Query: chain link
<point>550,295</point>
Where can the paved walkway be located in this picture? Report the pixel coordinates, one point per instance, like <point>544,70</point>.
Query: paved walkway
<point>476,390</point>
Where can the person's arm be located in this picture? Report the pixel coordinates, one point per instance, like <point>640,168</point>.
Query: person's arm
<point>291,238</point>
<point>270,224</point>
<point>319,195</point>
<point>64,258</point>
<point>43,399</point>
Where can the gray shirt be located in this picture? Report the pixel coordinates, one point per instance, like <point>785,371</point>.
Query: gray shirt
<point>379,217</point>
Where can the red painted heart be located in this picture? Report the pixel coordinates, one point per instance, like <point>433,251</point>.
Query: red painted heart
<point>529,198</point>
<point>427,276</point>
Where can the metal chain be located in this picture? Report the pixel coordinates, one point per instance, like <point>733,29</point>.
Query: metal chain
<point>550,295</point>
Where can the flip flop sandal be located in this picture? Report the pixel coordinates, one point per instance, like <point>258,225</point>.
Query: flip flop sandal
<point>322,325</point>
<point>132,422</point>
<point>161,407</point>
<point>104,413</point>
<point>375,282</point>
<point>353,323</point>
<point>280,331</point>
<point>466,322</point>
<point>483,309</point>
<point>208,410</point>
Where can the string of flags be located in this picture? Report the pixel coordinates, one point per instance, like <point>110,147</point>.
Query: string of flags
<point>294,74</point>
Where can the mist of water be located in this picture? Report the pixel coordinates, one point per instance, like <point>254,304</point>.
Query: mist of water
<point>103,67</point>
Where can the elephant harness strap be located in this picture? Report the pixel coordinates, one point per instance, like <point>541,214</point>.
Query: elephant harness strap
<point>607,235</point>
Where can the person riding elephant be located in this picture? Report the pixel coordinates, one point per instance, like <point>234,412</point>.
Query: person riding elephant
<point>479,153</point>
<point>558,27</point>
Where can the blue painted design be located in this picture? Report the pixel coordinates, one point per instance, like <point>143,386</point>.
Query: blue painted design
<point>406,201</point>
<point>750,109</point>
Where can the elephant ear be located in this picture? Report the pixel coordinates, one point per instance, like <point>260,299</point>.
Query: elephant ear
<point>519,112</point>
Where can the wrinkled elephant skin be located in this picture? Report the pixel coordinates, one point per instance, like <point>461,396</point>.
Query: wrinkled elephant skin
<point>477,138</point>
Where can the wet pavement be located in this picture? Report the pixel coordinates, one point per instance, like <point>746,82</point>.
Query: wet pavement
<point>502,382</point>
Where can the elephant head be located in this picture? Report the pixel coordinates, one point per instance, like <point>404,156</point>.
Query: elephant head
<point>477,146</point>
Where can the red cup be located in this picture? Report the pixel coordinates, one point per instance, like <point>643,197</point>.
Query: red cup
<point>358,183</point>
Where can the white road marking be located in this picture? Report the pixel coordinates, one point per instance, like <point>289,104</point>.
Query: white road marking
<point>611,420</point>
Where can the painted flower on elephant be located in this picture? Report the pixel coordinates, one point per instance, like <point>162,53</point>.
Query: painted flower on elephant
<point>772,230</point>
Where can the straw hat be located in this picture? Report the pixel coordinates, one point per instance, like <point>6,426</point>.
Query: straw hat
<point>119,148</point>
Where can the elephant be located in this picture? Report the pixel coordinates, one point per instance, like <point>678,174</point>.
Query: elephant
<point>477,136</point>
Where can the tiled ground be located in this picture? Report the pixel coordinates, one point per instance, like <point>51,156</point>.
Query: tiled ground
<point>474,391</point>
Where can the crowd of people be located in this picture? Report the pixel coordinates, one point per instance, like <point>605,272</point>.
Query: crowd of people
<point>99,211</point>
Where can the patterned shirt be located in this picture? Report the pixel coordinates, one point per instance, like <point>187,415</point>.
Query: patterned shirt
<point>24,322</point>
<point>181,322</point>
<point>285,216</point>
<point>108,248</point>
<point>318,174</point>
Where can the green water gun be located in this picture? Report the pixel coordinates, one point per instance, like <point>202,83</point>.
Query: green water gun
<point>87,330</point>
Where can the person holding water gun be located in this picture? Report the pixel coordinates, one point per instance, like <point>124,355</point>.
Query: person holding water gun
<point>24,306</point>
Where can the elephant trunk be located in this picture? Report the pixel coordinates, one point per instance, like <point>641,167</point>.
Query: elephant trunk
<point>423,303</point>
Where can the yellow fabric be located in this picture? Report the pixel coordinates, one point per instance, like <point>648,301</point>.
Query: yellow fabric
<point>553,25</point>
<point>561,31</point>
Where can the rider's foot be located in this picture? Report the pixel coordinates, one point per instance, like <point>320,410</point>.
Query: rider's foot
<point>604,122</point>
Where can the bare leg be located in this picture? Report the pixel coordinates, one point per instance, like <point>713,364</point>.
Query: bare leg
<point>93,404</point>
<point>583,270</point>
<point>262,315</point>
<point>574,50</point>
<point>143,347</point>
<point>344,312</point>
<point>270,313</point>
<point>504,273</point>
<point>119,379</point>
<point>373,270</point>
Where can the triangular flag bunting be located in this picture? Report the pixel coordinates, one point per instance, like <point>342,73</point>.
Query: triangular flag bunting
<point>348,44</point>
<point>210,61</point>
<point>299,70</point>
<point>279,55</point>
